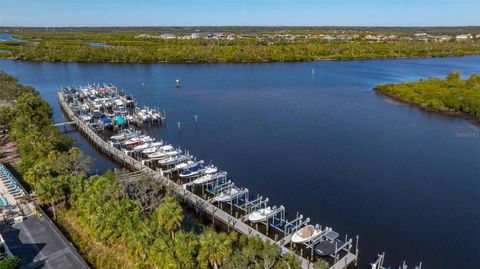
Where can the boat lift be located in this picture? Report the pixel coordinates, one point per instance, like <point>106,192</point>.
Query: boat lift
<point>219,186</point>
<point>237,199</point>
<point>324,235</point>
<point>253,205</point>
<point>378,264</point>
<point>294,225</point>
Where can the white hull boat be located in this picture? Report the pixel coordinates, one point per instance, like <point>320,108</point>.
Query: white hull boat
<point>145,146</point>
<point>173,160</point>
<point>210,169</point>
<point>136,141</point>
<point>209,177</point>
<point>261,214</point>
<point>305,234</point>
<point>163,154</point>
<point>227,195</point>
<point>184,165</point>
<point>150,150</point>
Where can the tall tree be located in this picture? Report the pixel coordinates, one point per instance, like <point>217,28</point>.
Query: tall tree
<point>186,246</point>
<point>50,192</point>
<point>74,163</point>
<point>170,215</point>
<point>215,248</point>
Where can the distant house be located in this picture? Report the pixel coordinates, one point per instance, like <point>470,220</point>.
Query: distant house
<point>420,35</point>
<point>464,37</point>
<point>444,38</point>
<point>143,36</point>
<point>195,36</point>
<point>328,38</point>
<point>422,39</point>
<point>344,37</point>
<point>371,38</point>
<point>391,37</point>
<point>405,38</point>
<point>168,36</point>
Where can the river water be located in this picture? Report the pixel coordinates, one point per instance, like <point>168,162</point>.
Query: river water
<point>324,144</point>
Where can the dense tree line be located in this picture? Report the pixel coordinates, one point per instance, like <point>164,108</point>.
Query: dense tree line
<point>451,94</point>
<point>10,88</point>
<point>124,47</point>
<point>114,225</point>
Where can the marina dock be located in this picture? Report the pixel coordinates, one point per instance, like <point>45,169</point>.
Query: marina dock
<point>217,213</point>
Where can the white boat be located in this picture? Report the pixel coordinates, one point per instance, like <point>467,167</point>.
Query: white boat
<point>138,140</point>
<point>261,214</point>
<point>305,234</point>
<point>124,135</point>
<point>164,151</point>
<point>227,195</point>
<point>150,150</point>
<point>166,148</point>
<point>209,177</point>
<point>173,160</point>
<point>145,146</point>
<point>142,114</point>
<point>166,154</point>
<point>183,165</point>
<point>210,169</point>
<point>86,117</point>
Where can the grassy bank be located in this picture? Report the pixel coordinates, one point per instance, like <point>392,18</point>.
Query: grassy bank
<point>117,224</point>
<point>260,45</point>
<point>451,95</point>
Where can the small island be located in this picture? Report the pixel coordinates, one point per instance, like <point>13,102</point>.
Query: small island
<point>452,95</point>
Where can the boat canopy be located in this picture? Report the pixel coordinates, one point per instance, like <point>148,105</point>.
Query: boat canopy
<point>119,120</point>
<point>106,120</point>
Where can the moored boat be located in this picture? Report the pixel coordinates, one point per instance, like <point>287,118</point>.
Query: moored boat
<point>145,146</point>
<point>305,234</point>
<point>173,160</point>
<point>227,195</point>
<point>210,169</point>
<point>136,141</point>
<point>210,177</point>
<point>124,135</point>
<point>261,214</point>
<point>192,171</point>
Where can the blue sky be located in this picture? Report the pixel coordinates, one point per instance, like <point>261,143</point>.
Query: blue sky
<point>239,12</point>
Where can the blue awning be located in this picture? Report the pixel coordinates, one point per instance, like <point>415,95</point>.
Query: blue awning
<point>106,120</point>
<point>119,120</point>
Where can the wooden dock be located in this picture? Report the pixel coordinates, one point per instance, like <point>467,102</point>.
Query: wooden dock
<point>187,196</point>
<point>345,261</point>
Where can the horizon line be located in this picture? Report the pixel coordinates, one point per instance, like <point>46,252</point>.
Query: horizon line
<point>259,26</point>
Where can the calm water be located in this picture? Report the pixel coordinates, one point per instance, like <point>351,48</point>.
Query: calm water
<point>406,181</point>
<point>98,44</point>
<point>9,37</point>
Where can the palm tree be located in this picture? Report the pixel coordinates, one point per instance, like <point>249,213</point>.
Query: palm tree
<point>215,248</point>
<point>186,245</point>
<point>50,192</point>
<point>170,215</point>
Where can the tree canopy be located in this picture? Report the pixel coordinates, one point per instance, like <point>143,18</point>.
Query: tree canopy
<point>452,94</point>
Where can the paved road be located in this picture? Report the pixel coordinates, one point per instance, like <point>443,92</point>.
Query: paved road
<point>40,244</point>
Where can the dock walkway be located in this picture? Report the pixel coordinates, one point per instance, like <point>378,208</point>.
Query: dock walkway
<point>189,197</point>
